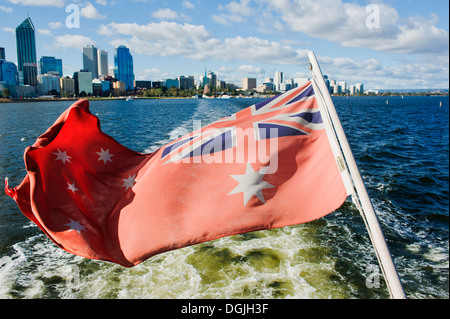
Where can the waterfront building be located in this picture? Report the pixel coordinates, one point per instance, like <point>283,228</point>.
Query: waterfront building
<point>102,61</point>
<point>8,73</point>
<point>278,80</point>
<point>268,85</point>
<point>29,74</point>
<point>343,86</point>
<point>123,63</point>
<point>359,87</point>
<point>50,64</point>
<point>90,60</point>
<point>97,87</point>
<point>186,82</point>
<point>297,82</point>
<point>83,82</point>
<point>26,52</point>
<point>156,84</point>
<point>337,89</point>
<point>144,85</point>
<point>119,88</point>
<point>168,83</point>
<point>67,86</point>
<point>248,83</point>
<point>212,79</point>
<point>49,83</point>
<point>264,87</point>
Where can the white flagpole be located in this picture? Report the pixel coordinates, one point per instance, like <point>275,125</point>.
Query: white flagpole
<point>361,197</point>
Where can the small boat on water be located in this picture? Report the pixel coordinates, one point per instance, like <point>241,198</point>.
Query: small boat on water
<point>130,98</point>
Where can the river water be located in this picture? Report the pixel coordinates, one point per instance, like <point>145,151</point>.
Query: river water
<point>402,150</point>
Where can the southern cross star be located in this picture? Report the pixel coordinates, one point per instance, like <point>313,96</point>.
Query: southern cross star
<point>72,187</point>
<point>251,183</point>
<point>129,182</point>
<point>105,156</point>
<point>75,225</point>
<point>62,156</point>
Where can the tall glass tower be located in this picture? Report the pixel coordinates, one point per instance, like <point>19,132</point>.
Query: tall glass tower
<point>50,64</point>
<point>123,63</point>
<point>26,51</point>
<point>90,60</point>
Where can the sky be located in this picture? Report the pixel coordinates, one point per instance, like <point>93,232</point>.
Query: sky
<point>390,44</point>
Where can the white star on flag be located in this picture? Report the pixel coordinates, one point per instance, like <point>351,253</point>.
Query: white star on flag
<point>251,183</point>
<point>105,156</point>
<point>62,156</point>
<point>72,187</point>
<point>129,182</point>
<point>75,225</point>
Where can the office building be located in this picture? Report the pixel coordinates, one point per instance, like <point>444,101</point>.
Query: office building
<point>145,85</point>
<point>119,88</point>
<point>26,52</point>
<point>102,61</point>
<point>212,79</point>
<point>123,63</point>
<point>67,86</point>
<point>186,82</point>
<point>8,73</point>
<point>168,83</point>
<point>49,83</point>
<point>359,87</point>
<point>83,83</point>
<point>29,73</point>
<point>90,60</point>
<point>278,80</point>
<point>248,83</point>
<point>2,54</point>
<point>50,64</point>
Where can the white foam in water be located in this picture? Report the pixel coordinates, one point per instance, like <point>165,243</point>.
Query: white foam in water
<point>39,269</point>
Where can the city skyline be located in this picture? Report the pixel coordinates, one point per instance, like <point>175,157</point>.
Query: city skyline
<point>95,65</point>
<point>234,40</point>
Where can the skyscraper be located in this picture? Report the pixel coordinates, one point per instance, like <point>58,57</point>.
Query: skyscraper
<point>278,80</point>
<point>2,54</point>
<point>50,63</point>
<point>26,51</point>
<point>90,60</point>
<point>8,73</point>
<point>123,63</point>
<point>102,60</point>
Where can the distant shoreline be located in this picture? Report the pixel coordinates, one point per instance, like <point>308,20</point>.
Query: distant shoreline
<point>56,99</point>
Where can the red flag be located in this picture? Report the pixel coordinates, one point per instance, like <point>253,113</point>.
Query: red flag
<point>267,166</point>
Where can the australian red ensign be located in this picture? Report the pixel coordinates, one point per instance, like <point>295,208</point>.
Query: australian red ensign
<point>269,165</point>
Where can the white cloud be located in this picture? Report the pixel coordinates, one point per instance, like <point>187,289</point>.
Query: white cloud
<point>43,3</point>
<point>235,12</point>
<point>72,41</point>
<point>45,32</point>
<point>55,25</point>
<point>250,69</point>
<point>90,12</point>
<point>9,30</point>
<point>188,5</point>
<point>168,14</point>
<point>195,42</point>
<point>426,73</point>
<point>6,9</point>
<point>102,2</point>
<point>345,23</point>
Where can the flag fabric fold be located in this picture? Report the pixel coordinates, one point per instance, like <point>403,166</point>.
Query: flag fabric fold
<point>269,165</point>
